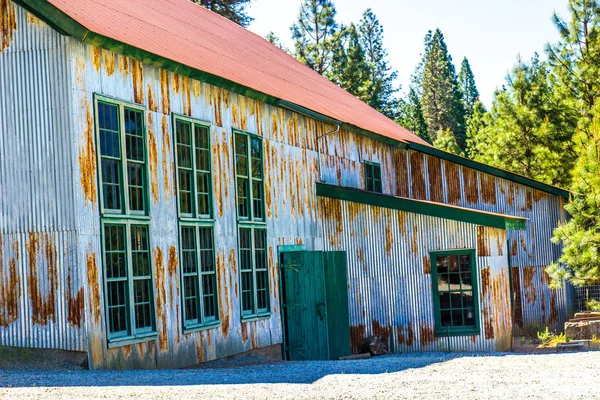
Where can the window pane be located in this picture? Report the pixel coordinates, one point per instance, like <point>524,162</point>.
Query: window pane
<point>117,307</point>
<point>202,183</point>
<point>142,297</point>
<point>208,289</point>
<point>242,195</point>
<point>257,201</point>
<point>256,156</point>
<point>206,249</point>
<point>185,191</point>
<point>188,249</point>
<point>140,251</point>
<point>135,174</point>
<point>111,184</point>
<point>190,287</point>
<point>114,251</point>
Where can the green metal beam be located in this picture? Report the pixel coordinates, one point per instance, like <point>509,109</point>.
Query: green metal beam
<point>429,208</point>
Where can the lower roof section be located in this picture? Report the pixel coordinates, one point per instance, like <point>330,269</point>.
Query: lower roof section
<point>423,207</point>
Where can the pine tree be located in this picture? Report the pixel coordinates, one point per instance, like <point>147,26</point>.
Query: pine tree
<point>576,58</point>
<point>445,141</point>
<point>381,76</point>
<point>476,123</point>
<point>468,89</point>
<point>274,40</point>
<point>440,96</point>
<point>412,115</point>
<point>527,131</point>
<point>349,67</point>
<point>234,10</point>
<point>580,260</point>
<point>314,34</point>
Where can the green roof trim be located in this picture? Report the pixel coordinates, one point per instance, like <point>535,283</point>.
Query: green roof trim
<point>66,25</point>
<point>429,208</point>
<point>488,169</point>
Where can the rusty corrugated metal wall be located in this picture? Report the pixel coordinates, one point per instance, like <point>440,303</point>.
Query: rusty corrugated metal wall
<point>390,275</point>
<point>41,290</point>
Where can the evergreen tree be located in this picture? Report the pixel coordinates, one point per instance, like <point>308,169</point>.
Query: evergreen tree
<point>576,58</point>
<point>440,96</point>
<point>580,260</point>
<point>476,123</point>
<point>468,89</point>
<point>446,141</point>
<point>315,34</point>
<point>234,10</point>
<point>349,67</point>
<point>412,116</point>
<point>527,130</point>
<point>274,40</point>
<point>381,76</point>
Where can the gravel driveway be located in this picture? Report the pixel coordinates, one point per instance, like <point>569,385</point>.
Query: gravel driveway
<point>499,376</point>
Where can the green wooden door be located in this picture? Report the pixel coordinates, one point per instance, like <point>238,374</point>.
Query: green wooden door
<point>315,305</point>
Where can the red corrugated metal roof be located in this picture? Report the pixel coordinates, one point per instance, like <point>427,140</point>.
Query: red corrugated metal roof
<point>184,32</point>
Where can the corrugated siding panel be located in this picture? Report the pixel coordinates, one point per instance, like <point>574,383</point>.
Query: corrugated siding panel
<point>389,275</point>
<point>42,287</point>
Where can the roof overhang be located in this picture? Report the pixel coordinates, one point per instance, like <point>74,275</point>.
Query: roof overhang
<point>422,207</point>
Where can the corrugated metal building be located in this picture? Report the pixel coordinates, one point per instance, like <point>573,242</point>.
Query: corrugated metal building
<point>172,187</point>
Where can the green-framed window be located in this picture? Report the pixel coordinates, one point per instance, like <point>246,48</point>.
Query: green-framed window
<point>455,294</point>
<point>254,271</point>
<point>373,177</point>
<point>200,301</point>
<point>125,208</point>
<point>193,164</point>
<point>249,177</point>
<point>123,171</point>
<point>128,286</point>
<point>196,232</point>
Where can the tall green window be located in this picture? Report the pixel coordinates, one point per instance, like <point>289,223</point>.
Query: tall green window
<point>123,172</point>
<point>252,233</point>
<point>455,295</point>
<point>197,250</point>
<point>373,177</point>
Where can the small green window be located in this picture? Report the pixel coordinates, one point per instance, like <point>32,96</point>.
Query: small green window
<point>249,177</point>
<point>254,271</point>
<point>373,177</point>
<point>192,156</point>
<point>199,276</point>
<point>454,277</point>
<point>128,283</point>
<point>123,173</point>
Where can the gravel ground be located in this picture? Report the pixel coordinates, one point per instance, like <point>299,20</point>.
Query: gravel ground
<point>472,376</point>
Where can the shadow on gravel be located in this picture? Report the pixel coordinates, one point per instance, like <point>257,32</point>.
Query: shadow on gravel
<point>229,372</point>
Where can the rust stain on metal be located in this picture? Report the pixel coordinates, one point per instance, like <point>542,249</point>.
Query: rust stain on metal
<point>426,265</point>
<point>75,303</point>
<point>405,338</point>
<point>225,300</point>
<point>217,100</point>
<point>172,269</point>
<point>518,308</point>
<point>488,327</point>
<point>80,71</point>
<point>161,299</point>
<point>32,19</point>
<point>216,151</point>
<point>244,332</point>
<point>226,98</point>
<point>42,309</point>
<point>87,158</point>
<point>127,350</point>
<point>379,329</point>
<point>168,168</point>
<point>186,96</point>
<point>471,191</point>
<point>259,117</point>
<point>553,318</point>
<point>109,62</point>
<point>196,88</point>
<point>357,333</point>
<point>123,65</point>
<point>500,236</point>
<point>485,281</point>
<point>426,335</point>
<point>452,172</point>
<point>333,211</point>
<point>483,249</point>
<point>418,176</point>
<point>151,100</point>
<point>271,266</point>
<point>175,83</point>
<point>137,76</point>
<point>530,292</point>
<point>235,116</point>
<point>528,199</point>
<point>539,195</point>
<point>254,336</point>
<point>97,58</point>
<point>153,154</point>
<point>243,113</point>
<point>165,93</point>
<point>389,239</point>
<point>414,244</point>
<point>10,286</point>
<point>488,188</point>
<point>267,179</point>
<point>199,342</point>
<point>513,247</point>
<point>93,285</point>
<point>434,168</point>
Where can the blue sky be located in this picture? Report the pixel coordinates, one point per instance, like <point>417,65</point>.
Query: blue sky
<point>489,33</point>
